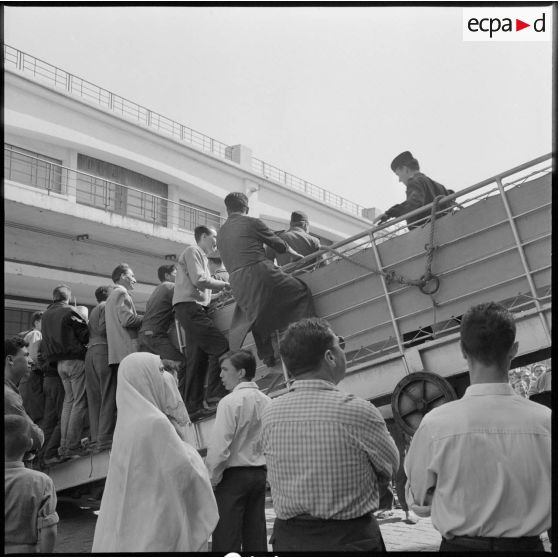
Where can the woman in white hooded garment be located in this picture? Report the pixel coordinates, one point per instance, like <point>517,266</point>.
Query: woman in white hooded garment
<point>157,497</point>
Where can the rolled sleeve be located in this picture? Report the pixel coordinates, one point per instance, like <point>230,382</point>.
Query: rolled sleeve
<point>47,515</point>
<point>421,478</point>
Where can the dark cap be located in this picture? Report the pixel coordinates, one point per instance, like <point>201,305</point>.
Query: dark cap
<point>298,216</point>
<point>402,159</point>
<point>236,201</point>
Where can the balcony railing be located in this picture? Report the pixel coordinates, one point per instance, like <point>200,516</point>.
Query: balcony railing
<point>104,194</point>
<point>60,79</point>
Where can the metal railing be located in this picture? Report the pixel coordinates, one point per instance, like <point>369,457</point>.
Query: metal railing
<point>102,193</point>
<point>307,188</point>
<point>128,110</point>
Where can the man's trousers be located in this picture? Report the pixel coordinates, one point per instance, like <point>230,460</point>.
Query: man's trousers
<point>241,501</point>
<point>204,345</point>
<point>306,534</point>
<point>100,384</point>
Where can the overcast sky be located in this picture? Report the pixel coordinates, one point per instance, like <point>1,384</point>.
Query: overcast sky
<point>328,94</point>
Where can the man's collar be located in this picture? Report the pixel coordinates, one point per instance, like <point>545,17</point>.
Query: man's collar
<point>13,464</point>
<point>10,383</point>
<point>244,385</point>
<point>499,388</point>
<point>316,384</point>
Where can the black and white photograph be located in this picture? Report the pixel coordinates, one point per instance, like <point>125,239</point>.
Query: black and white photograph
<point>277,278</point>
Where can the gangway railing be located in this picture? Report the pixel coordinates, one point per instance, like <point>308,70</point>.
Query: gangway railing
<point>384,250</point>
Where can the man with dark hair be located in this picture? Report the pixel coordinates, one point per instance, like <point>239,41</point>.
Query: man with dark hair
<point>481,465</point>
<point>100,380</point>
<point>16,364</point>
<point>31,385</point>
<point>421,191</point>
<point>235,461</point>
<point>298,237</point>
<point>157,323</point>
<point>327,451</point>
<point>267,298</point>
<point>122,320</point>
<point>65,336</point>
<point>204,342</point>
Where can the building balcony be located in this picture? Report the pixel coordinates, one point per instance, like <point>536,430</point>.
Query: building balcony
<point>92,205</point>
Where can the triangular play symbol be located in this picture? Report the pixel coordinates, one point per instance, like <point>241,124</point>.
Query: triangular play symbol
<point>519,25</point>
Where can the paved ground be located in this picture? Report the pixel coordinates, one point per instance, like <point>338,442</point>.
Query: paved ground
<point>77,526</point>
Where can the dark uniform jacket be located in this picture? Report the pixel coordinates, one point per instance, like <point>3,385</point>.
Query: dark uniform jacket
<point>65,333</point>
<point>299,240</point>
<point>421,191</point>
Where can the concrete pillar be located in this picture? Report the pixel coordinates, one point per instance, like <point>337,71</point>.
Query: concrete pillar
<point>71,180</point>
<point>240,154</point>
<point>251,189</point>
<point>173,209</point>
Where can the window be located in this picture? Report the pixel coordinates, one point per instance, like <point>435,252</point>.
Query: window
<point>121,190</point>
<point>16,321</point>
<point>191,215</point>
<point>32,169</point>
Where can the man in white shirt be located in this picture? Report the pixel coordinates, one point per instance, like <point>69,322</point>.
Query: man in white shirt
<point>481,466</point>
<point>204,342</point>
<point>235,460</point>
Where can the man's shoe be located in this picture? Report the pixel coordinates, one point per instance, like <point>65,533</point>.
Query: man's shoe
<point>54,460</point>
<point>200,413</point>
<point>78,451</point>
<point>411,517</point>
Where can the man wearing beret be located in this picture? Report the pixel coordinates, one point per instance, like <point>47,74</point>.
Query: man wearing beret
<point>267,298</point>
<point>421,190</point>
<point>297,237</point>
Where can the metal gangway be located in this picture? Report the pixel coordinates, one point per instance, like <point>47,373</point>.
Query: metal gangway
<point>397,297</point>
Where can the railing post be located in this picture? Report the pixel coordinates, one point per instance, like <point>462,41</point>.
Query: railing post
<point>19,60</point>
<point>69,82</point>
<point>522,257</point>
<point>148,116</point>
<point>389,305</point>
<point>111,101</point>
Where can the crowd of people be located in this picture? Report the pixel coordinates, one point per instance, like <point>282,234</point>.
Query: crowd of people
<point>480,466</point>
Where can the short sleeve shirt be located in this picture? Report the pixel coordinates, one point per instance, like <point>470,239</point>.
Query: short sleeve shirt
<point>29,504</point>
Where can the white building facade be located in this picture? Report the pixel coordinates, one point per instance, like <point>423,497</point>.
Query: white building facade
<point>92,180</point>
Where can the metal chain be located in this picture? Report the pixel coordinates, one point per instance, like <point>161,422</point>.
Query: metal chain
<point>393,277</point>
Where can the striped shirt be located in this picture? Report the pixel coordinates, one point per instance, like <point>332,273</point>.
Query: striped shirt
<point>325,451</point>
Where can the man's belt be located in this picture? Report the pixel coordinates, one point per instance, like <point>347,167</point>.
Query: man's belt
<point>489,541</point>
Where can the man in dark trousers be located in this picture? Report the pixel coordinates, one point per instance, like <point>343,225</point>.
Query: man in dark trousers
<point>267,298</point>
<point>327,452</point>
<point>157,323</point>
<point>298,237</point>
<point>481,465</point>
<point>100,380</point>
<point>421,190</point>
<point>235,460</point>
<point>204,342</point>
<point>65,335</point>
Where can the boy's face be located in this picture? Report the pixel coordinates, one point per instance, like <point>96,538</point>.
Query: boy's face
<point>20,363</point>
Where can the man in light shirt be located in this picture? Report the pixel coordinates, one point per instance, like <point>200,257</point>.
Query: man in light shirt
<point>204,342</point>
<point>327,452</point>
<point>235,460</point>
<point>480,466</point>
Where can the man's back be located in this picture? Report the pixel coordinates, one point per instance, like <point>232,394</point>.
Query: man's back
<point>158,310</point>
<point>488,456</point>
<point>325,450</point>
<point>29,502</point>
<point>300,241</point>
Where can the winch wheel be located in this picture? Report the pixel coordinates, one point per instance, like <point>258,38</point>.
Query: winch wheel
<point>417,394</point>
